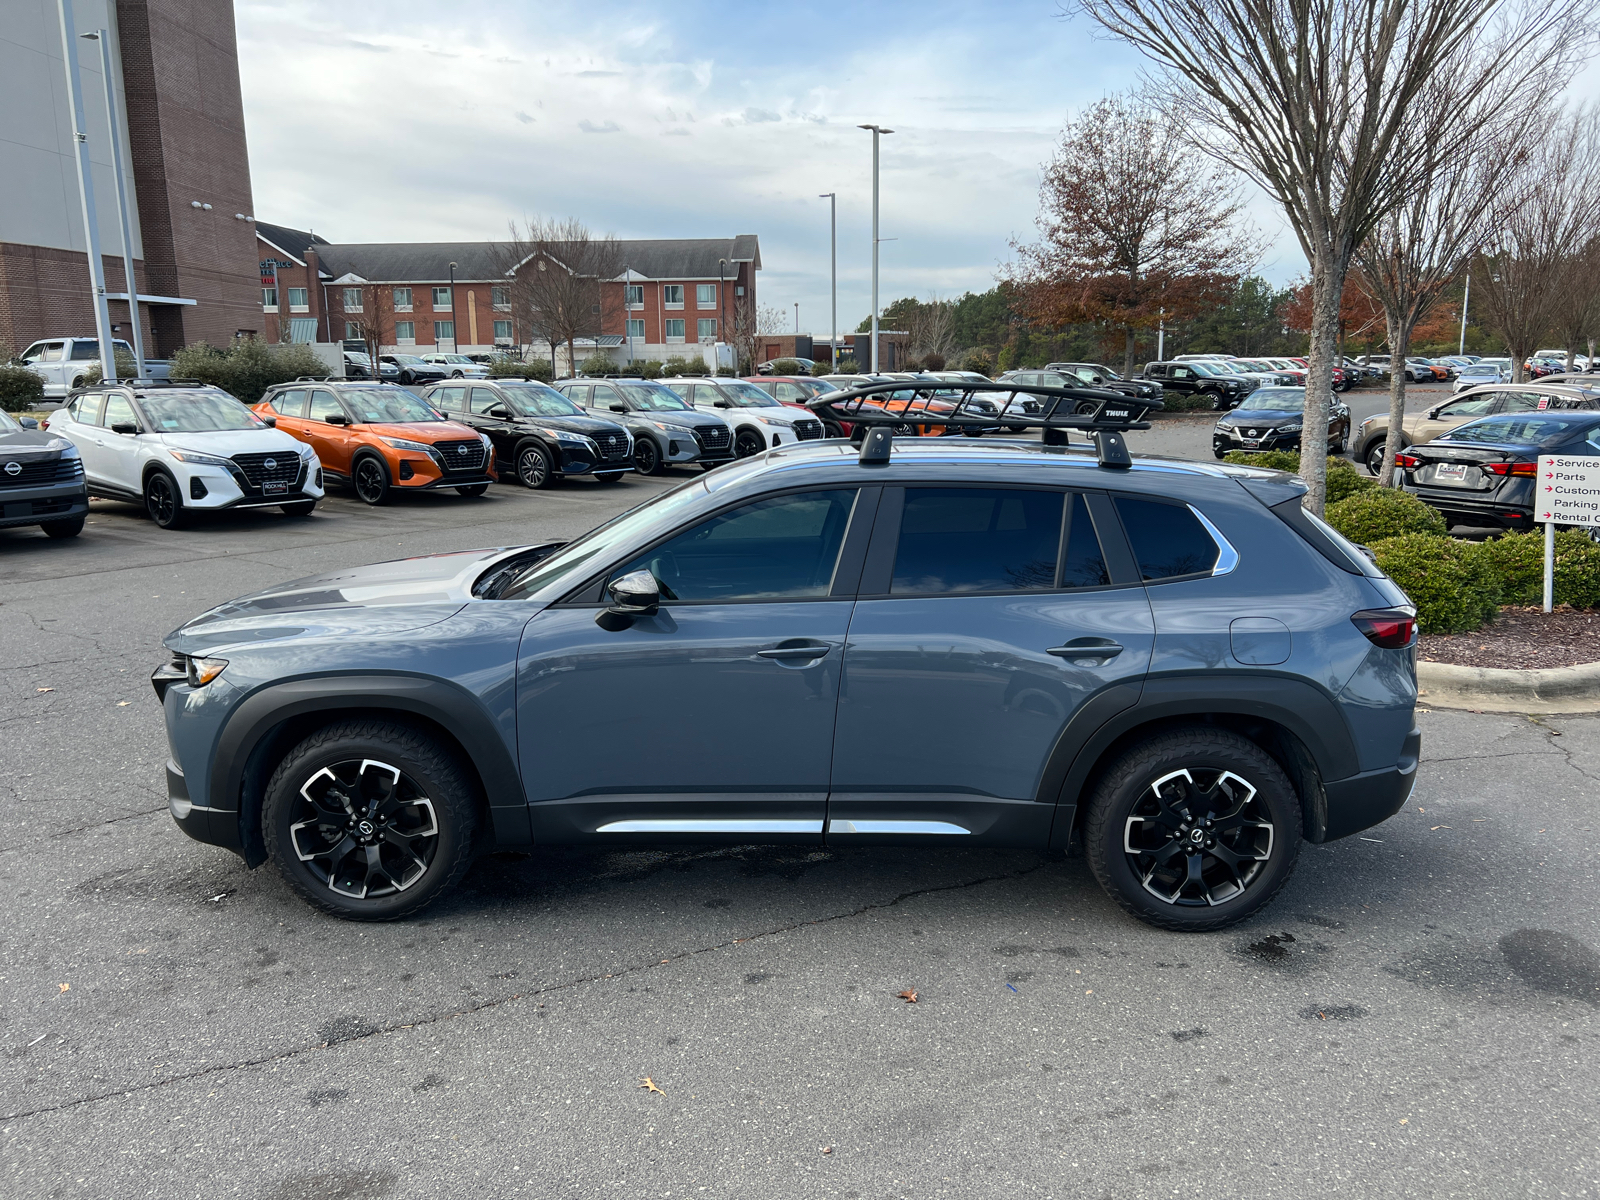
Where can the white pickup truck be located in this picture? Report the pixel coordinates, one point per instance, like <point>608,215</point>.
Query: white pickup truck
<point>63,361</point>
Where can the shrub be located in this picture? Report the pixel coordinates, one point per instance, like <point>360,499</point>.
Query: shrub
<point>933,362</point>
<point>788,366</point>
<point>20,388</point>
<point>979,361</point>
<point>1517,560</point>
<point>506,367</point>
<point>848,366</point>
<point>127,367</point>
<point>247,368</point>
<point>1453,591</point>
<point>675,366</point>
<point>1370,516</point>
<point>649,368</point>
<point>727,371</point>
<point>1178,402</point>
<point>599,363</point>
<point>1344,480</point>
<point>822,368</point>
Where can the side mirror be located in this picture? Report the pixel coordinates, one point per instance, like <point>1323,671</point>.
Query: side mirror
<point>622,408</point>
<point>124,427</point>
<point>636,594</point>
<point>337,419</point>
<point>719,404</point>
<point>28,423</point>
<point>499,411</point>
<point>270,422</point>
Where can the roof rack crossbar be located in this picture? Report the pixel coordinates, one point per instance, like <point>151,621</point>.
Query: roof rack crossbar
<point>871,409</point>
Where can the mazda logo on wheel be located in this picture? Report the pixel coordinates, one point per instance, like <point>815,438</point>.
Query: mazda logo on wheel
<point>13,468</point>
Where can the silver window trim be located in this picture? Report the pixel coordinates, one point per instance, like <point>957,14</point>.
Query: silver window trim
<point>1227,556</point>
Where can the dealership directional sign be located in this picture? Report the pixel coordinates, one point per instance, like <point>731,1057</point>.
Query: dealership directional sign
<point>1569,490</point>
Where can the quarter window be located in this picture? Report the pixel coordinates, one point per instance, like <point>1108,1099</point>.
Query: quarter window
<point>784,548</point>
<point>977,540</point>
<point>1083,565</point>
<point>1168,541</point>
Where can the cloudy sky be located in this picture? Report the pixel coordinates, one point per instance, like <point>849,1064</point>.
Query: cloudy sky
<point>408,121</point>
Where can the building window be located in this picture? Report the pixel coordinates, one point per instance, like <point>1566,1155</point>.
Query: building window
<point>502,331</point>
<point>299,299</point>
<point>444,331</point>
<point>269,299</point>
<point>705,295</point>
<point>635,330</point>
<point>635,295</point>
<point>675,328</point>
<point>352,331</point>
<point>500,297</point>
<point>402,299</point>
<point>441,297</point>
<point>707,329</point>
<point>352,299</point>
<point>672,296</point>
<point>405,331</point>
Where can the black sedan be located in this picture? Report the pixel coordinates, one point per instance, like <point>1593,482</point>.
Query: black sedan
<point>1486,473</point>
<point>538,433</point>
<point>1270,418</point>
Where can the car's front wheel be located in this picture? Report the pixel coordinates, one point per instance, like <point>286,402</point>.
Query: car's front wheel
<point>473,490</point>
<point>163,501</point>
<point>370,820</point>
<point>533,466</point>
<point>69,528</point>
<point>371,480</point>
<point>748,443</point>
<point>646,456</point>
<point>300,508</point>
<point>1373,455</point>
<point>1194,829</point>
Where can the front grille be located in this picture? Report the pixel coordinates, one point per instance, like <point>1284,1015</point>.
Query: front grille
<point>808,431</point>
<point>613,446</point>
<point>713,437</point>
<point>280,466</point>
<point>461,455</point>
<point>36,472</point>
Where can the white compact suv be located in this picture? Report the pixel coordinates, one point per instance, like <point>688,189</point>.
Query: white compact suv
<point>181,449</point>
<point>759,421</point>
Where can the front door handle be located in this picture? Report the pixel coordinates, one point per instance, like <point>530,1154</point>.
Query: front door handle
<point>794,653</point>
<point>1100,649</point>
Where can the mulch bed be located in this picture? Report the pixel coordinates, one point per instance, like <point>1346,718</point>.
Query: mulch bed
<point>1522,638</point>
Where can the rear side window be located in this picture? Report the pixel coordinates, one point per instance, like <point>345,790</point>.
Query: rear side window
<point>85,351</point>
<point>89,409</point>
<point>977,540</point>
<point>1168,540</point>
<point>291,403</point>
<point>449,399</point>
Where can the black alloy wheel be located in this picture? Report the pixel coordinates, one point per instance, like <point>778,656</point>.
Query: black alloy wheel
<point>69,528</point>
<point>533,466</point>
<point>646,455</point>
<point>407,378</point>
<point>300,508</point>
<point>473,490</point>
<point>370,820</point>
<point>162,501</point>
<point>748,443</point>
<point>1194,829</point>
<point>832,429</point>
<point>1373,455</point>
<point>371,479</point>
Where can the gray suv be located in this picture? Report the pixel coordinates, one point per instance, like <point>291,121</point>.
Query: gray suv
<point>667,432</point>
<point>997,643</point>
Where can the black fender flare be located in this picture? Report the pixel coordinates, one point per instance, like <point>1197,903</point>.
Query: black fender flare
<point>1322,746</point>
<point>251,736</point>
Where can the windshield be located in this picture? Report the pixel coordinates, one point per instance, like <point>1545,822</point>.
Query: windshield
<point>390,405</point>
<point>7,423</point>
<point>1480,370</point>
<point>408,359</point>
<point>1523,429</point>
<point>533,399</point>
<point>575,556</point>
<point>197,412</point>
<point>653,397</point>
<point>746,395</point>
<point>1276,399</point>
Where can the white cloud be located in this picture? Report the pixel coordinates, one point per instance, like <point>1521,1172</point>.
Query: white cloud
<point>591,127</point>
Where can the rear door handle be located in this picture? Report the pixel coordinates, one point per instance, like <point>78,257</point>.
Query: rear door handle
<point>1101,649</point>
<point>794,653</point>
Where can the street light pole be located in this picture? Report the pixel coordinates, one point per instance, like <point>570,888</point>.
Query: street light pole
<point>112,123</point>
<point>833,265</point>
<point>797,318</point>
<point>876,131</point>
<point>1465,297</point>
<point>722,319</point>
<point>91,226</point>
<point>455,335</point>
<point>627,321</point>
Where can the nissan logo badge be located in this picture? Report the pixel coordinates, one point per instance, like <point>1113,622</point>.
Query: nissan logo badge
<point>271,464</point>
<point>13,468</point>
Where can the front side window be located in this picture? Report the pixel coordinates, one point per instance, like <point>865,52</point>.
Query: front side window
<point>1470,407</point>
<point>502,331</point>
<point>500,297</point>
<point>89,409</point>
<point>784,548</point>
<point>269,299</point>
<point>352,299</point>
<point>119,411</point>
<point>85,351</point>
<point>977,540</point>
<point>605,396</point>
<point>1168,540</point>
<point>441,297</point>
<point>653,397</point>
<point>672,295</point>
<point>705,295</point>
<point>483,399</point>
<point>444,331</point>
<point>402,299</point>
<point>390,405</point>
<point>706,327</point>
<point>325,404</point>
<point>533,399</point>
<point>675,330</point>
<point>405,331</point>
<point>291,403</point>
<point>299,298</point>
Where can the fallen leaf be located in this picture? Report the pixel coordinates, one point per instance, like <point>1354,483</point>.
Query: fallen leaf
<point>649,1085</point>
<point>1440,827</point>
<point>827,1149</point>
<point>1402,1120</point>
<point>44,689</point>
<point>65,987</point>
<point>909,995</point>
<point>1088,991</point>
<point>122,704</point>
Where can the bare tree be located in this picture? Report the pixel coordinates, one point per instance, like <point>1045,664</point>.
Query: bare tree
<point>1577,317</point>
<point>1317,101</point>
<point>931,326</point>
<point>1547,219</point>
<point>377,309</point>
<point>556,270</point>
<point>750,325</point>
<point>1421,246</point>
<point>1135,224</point>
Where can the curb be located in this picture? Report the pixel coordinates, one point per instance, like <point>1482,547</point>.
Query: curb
<point>1494,689</point>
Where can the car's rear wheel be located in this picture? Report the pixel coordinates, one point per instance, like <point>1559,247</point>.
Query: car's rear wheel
<point>63,529</point>
<point>370,820</point>
<point>610,476</point>
<point>1194,829</point>
<point>300,508</point>
<point>163,501</point>
<point>371,480</point>
<point>407,377</point>
<point>533,466</point>
<point>646,456</point>
<point>748,443</point>
<point>473,489</point>
<point>1372,455</point>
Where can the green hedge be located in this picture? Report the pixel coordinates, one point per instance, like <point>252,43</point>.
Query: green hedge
<point>20,388</point>
<point>1454,589</point>
<point>1179,402</point>
<point>517,368</point>
<point>1517,560</point>
<point>678,365</point>
<point>1378,513</point>
<point>788,366</point>
<point>978,360</point>
<point>1344,480</point>
<point>247,368</point>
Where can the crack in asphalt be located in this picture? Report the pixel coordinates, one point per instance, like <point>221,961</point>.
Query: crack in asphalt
<point>1550,735</point>
<point>505,1001</point>
<point>144,812</point>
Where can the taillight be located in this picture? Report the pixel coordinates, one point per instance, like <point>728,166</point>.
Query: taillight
<point>1407,462</point>
<point>1390,628</point>
<point>1527,469</point>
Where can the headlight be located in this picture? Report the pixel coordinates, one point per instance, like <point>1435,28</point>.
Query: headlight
<point>561,435</point>
<point>1292,427</point>
<point>770,421</point>
<point>203,670</point>
<point>196,458</point>
<point>307,454</point>
<point>487,444</point>
<point>666,428</point>
<point>403,444</point>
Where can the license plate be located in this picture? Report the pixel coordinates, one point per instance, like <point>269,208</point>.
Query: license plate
<point>1250,441</point>
<point>1450,473</point>
<point>274,488</point>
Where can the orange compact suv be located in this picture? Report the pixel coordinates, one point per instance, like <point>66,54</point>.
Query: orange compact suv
<point>380,438</point>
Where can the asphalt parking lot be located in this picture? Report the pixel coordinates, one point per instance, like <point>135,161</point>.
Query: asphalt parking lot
<point>1417,1015</point>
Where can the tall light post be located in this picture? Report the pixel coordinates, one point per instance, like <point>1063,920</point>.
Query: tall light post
<point>112,123</point>
<point>876,131</point>
<point>833,266</point>
<point>722,319</point>
<point>797,318</point>
<point>627,308</point>
<point>1465,297</point>
<point>455,336</point>
<point>91,225</point>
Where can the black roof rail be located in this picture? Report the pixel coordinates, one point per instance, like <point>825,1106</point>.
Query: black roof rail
<point>139,382</point>
<point>1104,415</point>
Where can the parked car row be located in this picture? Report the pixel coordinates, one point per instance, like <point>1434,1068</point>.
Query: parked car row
<point>1485,400</point>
